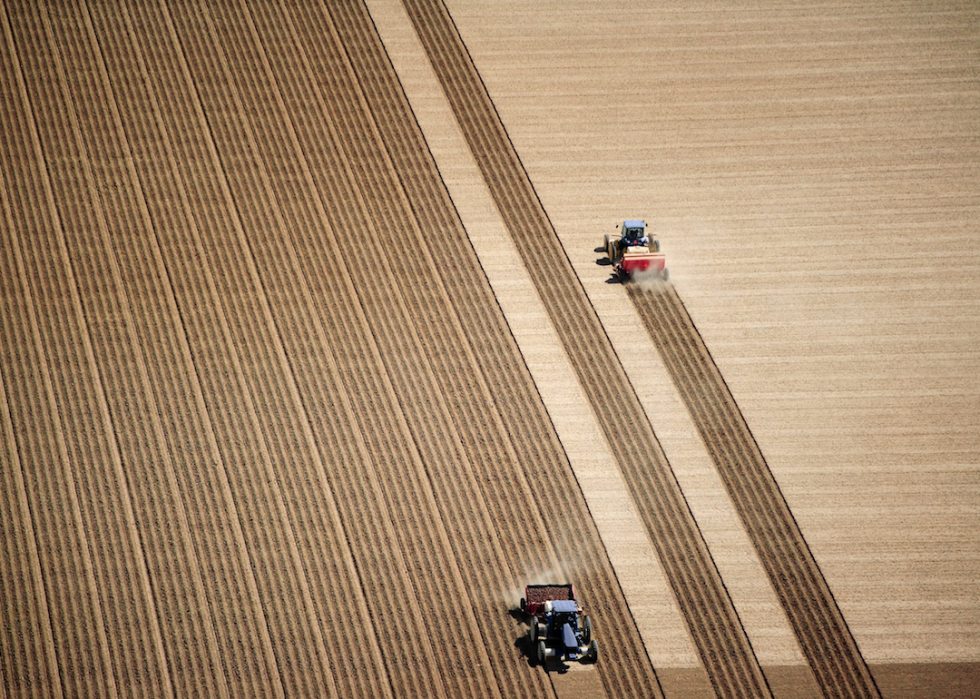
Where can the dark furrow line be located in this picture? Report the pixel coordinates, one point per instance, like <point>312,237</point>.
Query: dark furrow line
<point>81,401</point>
<point>62,547</point>
<point>758,509</point>
<point>693,393</point>
<point>136,233</point>
<point>464,503</point>
<point>402,372</point>
<point>233,597</point>
<point>807,599</point>
<point>438,217</point>
<point>765,523</point>
<point>162,337</point>
<point>725,649</point>
<point>379,545</point>
<point>295,634</point>
<point>131,406</point>
<point>27,651</point>
<point>396,623</point>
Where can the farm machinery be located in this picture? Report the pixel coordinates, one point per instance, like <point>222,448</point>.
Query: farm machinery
<point>633,251</point>
<point>557,627</point>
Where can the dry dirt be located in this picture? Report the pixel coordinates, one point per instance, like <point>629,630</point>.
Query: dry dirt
<point>306,366</point>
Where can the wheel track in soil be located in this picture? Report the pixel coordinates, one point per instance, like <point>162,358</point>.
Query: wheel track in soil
<point>823,634</point>
<point>535,456</point>
<point>717,632</point>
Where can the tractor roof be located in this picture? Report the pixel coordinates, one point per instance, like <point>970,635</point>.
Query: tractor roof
<point>564,605</point>
<point>635,223</point>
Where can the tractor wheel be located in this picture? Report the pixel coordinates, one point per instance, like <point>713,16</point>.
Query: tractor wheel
<point>523,605</point>
<point>594,651</point>
<point>605,244</point>
<point>666,274</point>
<point>586,629</point>
<point>542,653</point>
<point>533,631</point>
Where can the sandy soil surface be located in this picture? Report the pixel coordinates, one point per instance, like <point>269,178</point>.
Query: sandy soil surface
<point>788,160</point>
<point>294,402</point>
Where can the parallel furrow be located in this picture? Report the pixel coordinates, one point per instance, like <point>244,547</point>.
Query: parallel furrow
<point>410,506</point>
<point>824,637</point>
<point>30,666</point>
<point>242,141</point>
<point>193,374</point>
<point>114,652</point>
<point>246,409</point>
<point>719,637</point>
<point>505,467</point>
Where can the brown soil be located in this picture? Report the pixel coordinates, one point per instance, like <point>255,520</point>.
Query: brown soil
<point>265,429</point>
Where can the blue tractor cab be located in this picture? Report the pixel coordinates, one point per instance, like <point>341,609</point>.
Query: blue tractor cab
<point>563,633</point>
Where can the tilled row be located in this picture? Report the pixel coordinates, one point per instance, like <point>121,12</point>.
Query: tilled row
<point>824,637</point>
<point>715,627</point>
<point>307,582</point>
<point>74,485</point>
<point>398,414</point>
<point>507,436</point>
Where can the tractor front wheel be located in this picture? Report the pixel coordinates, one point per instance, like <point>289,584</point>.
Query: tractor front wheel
<point>542,653</point>
<point>586,629</point>
<point>533,631</point>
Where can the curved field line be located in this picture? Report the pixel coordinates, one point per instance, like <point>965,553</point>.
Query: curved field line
<point>727,655</point>
<point>808,601</point>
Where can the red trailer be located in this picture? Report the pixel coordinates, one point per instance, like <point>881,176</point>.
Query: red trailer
<point>633,251</point>
<point>532,603</point>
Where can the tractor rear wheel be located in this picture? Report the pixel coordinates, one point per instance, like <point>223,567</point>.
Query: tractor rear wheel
<point>611,249</point>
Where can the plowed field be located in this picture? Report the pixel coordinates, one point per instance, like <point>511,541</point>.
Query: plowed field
<point>271,424</point>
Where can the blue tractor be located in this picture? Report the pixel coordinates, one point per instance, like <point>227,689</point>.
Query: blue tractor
<point>562,632</point>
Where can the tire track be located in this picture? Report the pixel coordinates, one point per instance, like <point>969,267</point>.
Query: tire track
<point>488,442</point>
<point>719,637</point>
<point>808,601</point>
